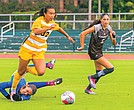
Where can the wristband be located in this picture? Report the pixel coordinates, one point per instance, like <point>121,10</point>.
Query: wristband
<point>113,35</point>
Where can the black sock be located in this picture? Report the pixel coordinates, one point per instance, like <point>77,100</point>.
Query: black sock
<point>95,76</point>
<point>102,73</point>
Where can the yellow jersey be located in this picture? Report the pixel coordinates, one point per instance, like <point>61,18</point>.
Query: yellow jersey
<point>38,43</point>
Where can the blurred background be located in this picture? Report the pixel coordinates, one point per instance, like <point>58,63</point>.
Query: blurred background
<point>16,18</point>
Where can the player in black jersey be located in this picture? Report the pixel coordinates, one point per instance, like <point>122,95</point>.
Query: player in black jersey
<point>100,30</point>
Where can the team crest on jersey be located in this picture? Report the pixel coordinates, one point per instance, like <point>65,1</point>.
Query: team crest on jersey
<point>103,34</point>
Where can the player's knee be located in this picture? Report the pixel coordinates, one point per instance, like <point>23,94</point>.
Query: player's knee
<point>41,73</point>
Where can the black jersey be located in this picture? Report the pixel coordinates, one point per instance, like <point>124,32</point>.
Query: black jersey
<point>98,37</point>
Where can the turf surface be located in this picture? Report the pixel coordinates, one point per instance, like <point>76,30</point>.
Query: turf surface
<point>114,91</point>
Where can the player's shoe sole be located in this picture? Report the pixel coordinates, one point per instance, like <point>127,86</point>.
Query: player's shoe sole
<point>55,82</point>
<point>89,91</point>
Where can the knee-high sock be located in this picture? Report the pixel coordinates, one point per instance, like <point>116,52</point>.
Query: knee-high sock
<point>102,73</point>
<point>32,70</point>
<point>16,79</point>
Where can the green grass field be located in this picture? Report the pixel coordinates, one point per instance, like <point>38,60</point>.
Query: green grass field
<point>114,91</point>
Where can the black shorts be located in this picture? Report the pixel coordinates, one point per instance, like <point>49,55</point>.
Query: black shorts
<point>95,56</point>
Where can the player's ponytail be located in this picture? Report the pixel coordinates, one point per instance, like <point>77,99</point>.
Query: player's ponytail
<point>92,24</point>
<point>40,12</point>
<point>43,10</point>
<point>96,21</point>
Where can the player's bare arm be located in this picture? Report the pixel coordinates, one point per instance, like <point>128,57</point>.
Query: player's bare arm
<point>83,35</point>
<point>42,30</point>
<point>67,36</point>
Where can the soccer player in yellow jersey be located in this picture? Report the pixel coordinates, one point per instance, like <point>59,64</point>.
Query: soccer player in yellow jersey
<point>34,47</point>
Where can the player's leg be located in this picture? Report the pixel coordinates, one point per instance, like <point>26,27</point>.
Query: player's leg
<point>31,67</point>
<point>20,72</point>
<point>98,68</point>
<point>18,75</point>
<point>88,89</point>
<point>105,63</point>
<point>108,69</point>
<point>40,66</point>
<point>3,86</point>
<point>48,83</point>
<point>24,58</point>
<point>39,62</point>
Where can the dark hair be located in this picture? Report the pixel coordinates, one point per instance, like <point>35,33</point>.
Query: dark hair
<point>33,87</point>
<point>43,10</point>
<point>103,15</point>
<point>96,21</point>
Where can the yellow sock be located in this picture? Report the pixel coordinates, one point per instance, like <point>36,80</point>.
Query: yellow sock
<point>32,70</point>
<point>16,80</point>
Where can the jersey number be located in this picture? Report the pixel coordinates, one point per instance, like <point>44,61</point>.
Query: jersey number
<point>46,34</point>
<point>102,41</point>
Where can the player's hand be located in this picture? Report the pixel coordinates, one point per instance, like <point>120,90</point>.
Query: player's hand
<point>113,34</point>
<point>80,48</point>
<point>16,97</point>
<point>52,26</point>
<point>71,39</point>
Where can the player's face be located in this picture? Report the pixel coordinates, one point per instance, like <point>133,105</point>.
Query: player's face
<point>26,90</point>
<point>49,16</point>
<point>105,20</point>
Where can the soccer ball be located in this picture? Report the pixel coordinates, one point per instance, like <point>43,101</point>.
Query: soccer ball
<point>68,97</point>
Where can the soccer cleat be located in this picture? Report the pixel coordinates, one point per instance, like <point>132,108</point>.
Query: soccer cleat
<point>55,82</point>
<point>89,91</point>
<point>11,94</point>
<point>92,82</point>
<point>50,64</point>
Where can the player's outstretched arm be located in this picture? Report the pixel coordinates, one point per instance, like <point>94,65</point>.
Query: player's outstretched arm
<point>67,36</point>
<point>3,86</point>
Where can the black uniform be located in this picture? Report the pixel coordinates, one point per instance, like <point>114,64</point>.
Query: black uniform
<point>97,40</point>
